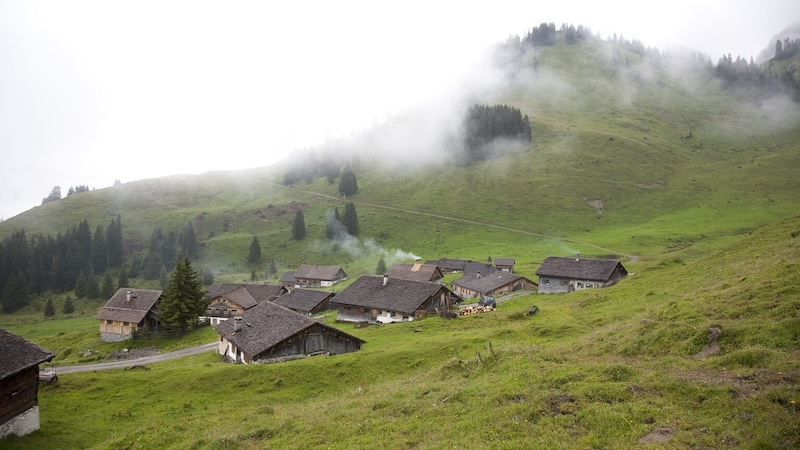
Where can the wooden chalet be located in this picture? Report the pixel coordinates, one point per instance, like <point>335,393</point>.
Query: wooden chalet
<point>449,265</point>
<point>384,300</point>
<point>305,301</point>
<point>562,274</point>
<point>314,275</point>
<point>415,272</point>
<point>288,280</point>
<point>504,264</point>
<point>227,300</point>
<point>477,268</point>
<point>494,284</point>
<point>19,384</point>
<point>129,310</point>
<point>269,333</point>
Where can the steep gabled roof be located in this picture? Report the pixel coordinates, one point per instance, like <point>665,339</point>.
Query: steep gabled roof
<point>504,262</point>
<point>450,264</point>
<point>121,309</point>
<point>248,294</point>
<point>18,354</point>
<point>579,268</point>
<point>267,325</point>
<point>288,277</point>
<point>302,299</point>
<point>404,296</point>
<point>474,268</point>
<point>487,283</point>
<point>415,272</point>
<point>317,272</point>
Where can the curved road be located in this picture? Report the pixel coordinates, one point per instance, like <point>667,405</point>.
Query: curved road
<point>133,362</point>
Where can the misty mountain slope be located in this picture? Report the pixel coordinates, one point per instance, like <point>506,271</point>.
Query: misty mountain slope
<point>633,156</point>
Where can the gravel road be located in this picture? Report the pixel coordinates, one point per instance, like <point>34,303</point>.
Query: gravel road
<point>59,370</point>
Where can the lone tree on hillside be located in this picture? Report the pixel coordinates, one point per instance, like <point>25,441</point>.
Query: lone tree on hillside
<point>299,226</point>
<point>254,257</point>
<point>183,300</point>
<point>350,219</point>
<point>348,184</point>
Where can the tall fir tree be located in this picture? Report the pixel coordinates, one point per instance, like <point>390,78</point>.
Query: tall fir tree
<point>254,257</point>
<point>107,289</point>
<point>49,308</point>
<point>299,226</point>
<point>188,242</point>
<point>380,269</point>
<point>99,251</point>
<point>114,244</point>
<point>68,307</point>
<point>122,278</point>
<point>350,219</point>
<point>183,300</point>
<point>347,184</point>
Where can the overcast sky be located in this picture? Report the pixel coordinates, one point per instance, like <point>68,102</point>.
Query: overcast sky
<point>94,91</point>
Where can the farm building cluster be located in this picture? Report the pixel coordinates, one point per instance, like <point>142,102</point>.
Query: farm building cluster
<point>274,322</point>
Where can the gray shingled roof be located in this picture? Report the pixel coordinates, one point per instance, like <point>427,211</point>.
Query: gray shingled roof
<point>404,296</point>
<point>267,325</point>
<point>120,309</point>
<point>473,268</point>
<point>317,272</point>
<point>486,283</point>
<point>259,292</point>
<point>450,264</point>
<point>302,299</point>
<point>240,297</point>
<point>288,277</point>
<point>504,262</point>
<point>425,272</point>
<point>579,268</point>
<point>18,354</point>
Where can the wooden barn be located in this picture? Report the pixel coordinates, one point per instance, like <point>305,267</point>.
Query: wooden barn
<point>314,275</point>
<point>415,272</point>
<point>271,333</point>
<point>129,310</point>
<point>229,300</point>
<point>559,274</point>
<point>19,384</point>
<point>384,300</point>
<point>494,284</point>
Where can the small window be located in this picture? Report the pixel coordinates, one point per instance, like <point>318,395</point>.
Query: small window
<point>546,281</point>
<point>109,322</point>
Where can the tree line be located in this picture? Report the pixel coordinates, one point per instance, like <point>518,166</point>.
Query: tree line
<point>83,261</point>
<point>484,124</point>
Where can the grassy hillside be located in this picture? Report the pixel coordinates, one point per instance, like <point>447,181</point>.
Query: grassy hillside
<point>610,368</point>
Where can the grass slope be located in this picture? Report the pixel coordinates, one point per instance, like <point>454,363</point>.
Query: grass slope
<point>610,368</point>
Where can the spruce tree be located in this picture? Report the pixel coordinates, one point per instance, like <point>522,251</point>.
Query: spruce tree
<point>81,285</point>
<point>92,287</point>
<point>350,219</point>
<point>380,269</point>
<point>49,309</point>
<point>107,289</point>
<point>347,184</point>
<point>183,300</point>
<point>254,257</point>
<point>299,226</point>
<point>114,247</point>
<point>188,242</point>
<point>122,279</point>
<point>68,307</point>
<point>99,251</point>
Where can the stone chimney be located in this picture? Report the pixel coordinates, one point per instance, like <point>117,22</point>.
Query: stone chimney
<point>237,323</point>
<point>385,279</point>
<point>128,295</point>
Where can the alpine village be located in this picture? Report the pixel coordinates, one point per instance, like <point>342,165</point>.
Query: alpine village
<point>604,253</point>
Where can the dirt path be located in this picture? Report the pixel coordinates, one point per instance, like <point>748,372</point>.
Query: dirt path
<point>133,362</point>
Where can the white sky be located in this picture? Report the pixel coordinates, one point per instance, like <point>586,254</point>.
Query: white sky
<point>93,91</point>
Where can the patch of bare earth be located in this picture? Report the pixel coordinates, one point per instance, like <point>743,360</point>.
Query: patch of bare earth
<point>659,435</point>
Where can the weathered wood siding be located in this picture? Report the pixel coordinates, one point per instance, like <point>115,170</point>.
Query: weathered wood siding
<point>18,393</point>
<point>313,340</point>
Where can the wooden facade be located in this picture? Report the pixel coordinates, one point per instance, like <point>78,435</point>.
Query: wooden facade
<point>270,333</point>
<point>19,384</point>
<point>562,274</point>
<point>127,311</point>
<point>497,283</point>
